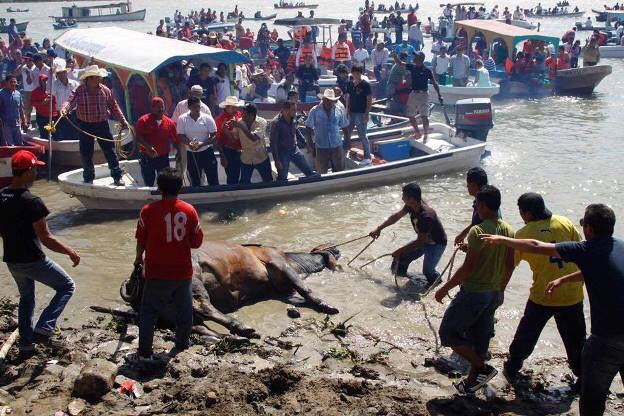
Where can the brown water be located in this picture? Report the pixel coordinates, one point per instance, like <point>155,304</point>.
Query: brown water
<point>569,149</point>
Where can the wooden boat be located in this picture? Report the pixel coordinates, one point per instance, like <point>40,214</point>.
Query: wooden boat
<point>6,172</point>
<point>444,151</point>
<point>451,94</point>
<point>612,51</point>
<point>612,15</point>
<point>21,27</point>
<point>305,21</point>
<point>581,27</point>
<point>567,14</point>
<point>113,12</point>
<point>12,10</point>
<point>64,25</point>
<point>269,17</point>
<point>580,81</point>
<point>294,6</point>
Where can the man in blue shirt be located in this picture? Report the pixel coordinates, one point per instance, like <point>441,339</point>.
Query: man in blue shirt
<point>326,120</point>
<point>11,113</point>
<point>600,259</point>
<point>406,48</point>
<point>12,31</point>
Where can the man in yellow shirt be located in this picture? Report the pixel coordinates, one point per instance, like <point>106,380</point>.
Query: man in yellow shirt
<point>565,305</point>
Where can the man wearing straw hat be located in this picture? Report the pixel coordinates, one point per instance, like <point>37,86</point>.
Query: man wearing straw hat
<point>326,120</point>
<point>62,88</point>
<point>227,141</point>
<point>94,104</point>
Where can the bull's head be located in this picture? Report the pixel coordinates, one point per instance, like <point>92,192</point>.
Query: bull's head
<point>329,253</point>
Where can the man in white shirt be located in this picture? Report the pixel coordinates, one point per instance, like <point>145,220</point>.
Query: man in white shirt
<point>415,36</point>
<point>62,88</point>
<point>222,86</point>
<point>379,58</point>
<point>30,82</point>
<point>182,106</point>
<point>440,65</point>
<point>196,130</point>
<point>360,56</point>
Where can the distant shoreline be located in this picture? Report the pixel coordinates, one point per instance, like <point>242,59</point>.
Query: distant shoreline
<point>46,1</point>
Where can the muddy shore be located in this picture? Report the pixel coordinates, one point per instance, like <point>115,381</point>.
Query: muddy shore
<point>346,370</point>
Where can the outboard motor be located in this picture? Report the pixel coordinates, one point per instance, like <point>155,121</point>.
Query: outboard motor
<point>474,117</point>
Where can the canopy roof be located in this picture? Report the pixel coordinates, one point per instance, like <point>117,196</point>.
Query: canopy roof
<point>512,35</point>
<point>138,52</point>
<point>99,6</point>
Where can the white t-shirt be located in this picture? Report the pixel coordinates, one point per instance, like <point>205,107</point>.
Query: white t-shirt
<point>182,107</point>
<point>360,55</point>
<point>196,129</point>
<point>441,64</point>
<point>222,88</point>
<point>484,78</point>
<point>28,87</point>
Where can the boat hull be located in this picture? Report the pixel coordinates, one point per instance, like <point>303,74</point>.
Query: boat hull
<point>451,94</point>
<point>307,6</point>
<point>580,81</point>
<point>6,172</point>
<point>612,51</point>
<point>122,17</point>
<point>21,27</point>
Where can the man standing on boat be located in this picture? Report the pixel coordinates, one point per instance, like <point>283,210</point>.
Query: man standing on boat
<point>418,101</point>
<point>341,54</point>
<point>251,131</point>
<point>156,133</point>
<point>62,88</point>
<point>326,120</point>
<point>94,104</point>
<point>24,229</point>
<point>359,100</point>
<point>591,52</point>
<point>283,141</point>
<point>207,82</point>
<point>227,141</point>
<point>40,100</point>
<point>12,113</point>
<point>431,240</point>
<point>460,67</point>
<point>182,106</point>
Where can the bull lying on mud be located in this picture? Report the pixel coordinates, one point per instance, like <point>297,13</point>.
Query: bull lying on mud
<point>228,276</point>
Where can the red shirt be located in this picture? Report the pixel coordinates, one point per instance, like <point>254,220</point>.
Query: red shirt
<point>169,229</point>
<point>221,137</point>
<point>160,137</point>
<point>43,109</point>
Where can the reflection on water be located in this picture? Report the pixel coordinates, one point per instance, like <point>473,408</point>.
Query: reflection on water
<point>569,149</point>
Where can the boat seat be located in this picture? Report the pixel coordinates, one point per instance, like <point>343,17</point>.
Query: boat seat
<point>435,144</point>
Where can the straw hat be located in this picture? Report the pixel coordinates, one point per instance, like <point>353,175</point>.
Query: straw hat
<point>94,71</point>
<point>232,101</point>
<point>329,94</point>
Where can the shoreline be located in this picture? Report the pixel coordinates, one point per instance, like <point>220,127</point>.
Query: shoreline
<point>353,372</point>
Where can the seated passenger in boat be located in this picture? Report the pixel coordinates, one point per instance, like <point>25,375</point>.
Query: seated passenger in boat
<point>482,77</point>
<point>307,75</point>
<point>260,85</point>
<point>251,131</point>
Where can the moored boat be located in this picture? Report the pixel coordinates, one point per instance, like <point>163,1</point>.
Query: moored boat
<point>113,12</point>
<point>612,15</point>
<point>295,6</point>
<point>580,81</point>
<point>562,14</point>
<point>612,51</point>
<point>21,27</point>
<point>443,151</point>
<point>12,10</point>
<point>60,25</point>
<point>260,18</point>
<point>451,94</point>
<point>6,172</point>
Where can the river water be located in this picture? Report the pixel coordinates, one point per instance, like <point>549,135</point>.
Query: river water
<point>568,149</point>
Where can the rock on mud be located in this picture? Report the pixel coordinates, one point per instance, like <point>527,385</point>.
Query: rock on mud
<point>95,380</point>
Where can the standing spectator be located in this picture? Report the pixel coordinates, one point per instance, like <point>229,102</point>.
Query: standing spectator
<point>306,49</point>
<point>166,232</point>
<point>12,113</point>
<point>196,130</point>
<point>359,100</point>
<point>29,83</point>
<point>94,104</point>
<point>488,62</point>
<point>405,48</point>
<point>282,53</point>
<point>263,40</point>
<point>156,133</point>
<point>222,84</point>
<point>283,141</point>
<point>415,36</point>
<point>591,52</point>
<point>24,229</point>
<point>411,17</point>
<point>360,56</point>
<point>575,52</point>
<point>62,89</point>
<point>365,25</point>
<point>206,82</point>
<point>468,322</point>
<point>227,141</point>
<point>40,100</point>
<point>399,22</point>
<point>308,76</point>
<point>251,131</point>
<point>460,68</point>
<point>441,64</point>
<point>239,29</point>
<point>341,54</point>
<point>182,106</point>
<point>379,58</point>
<point>356,35</point>
<point>12,31</point>
<point>326,120</point>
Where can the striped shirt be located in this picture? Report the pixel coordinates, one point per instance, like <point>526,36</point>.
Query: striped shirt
<point>93,108</point>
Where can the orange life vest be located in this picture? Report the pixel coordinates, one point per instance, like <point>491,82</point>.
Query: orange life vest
<point>290,64</point>
<point>342,52</point>
<point>305,51</point>
<point>509,65</point>
<point>325,56</point>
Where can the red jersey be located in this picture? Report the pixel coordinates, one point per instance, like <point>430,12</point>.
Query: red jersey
<point>159,136</point>
<point>169,229</point>
<point>221,137</point>
<point>42,108</point>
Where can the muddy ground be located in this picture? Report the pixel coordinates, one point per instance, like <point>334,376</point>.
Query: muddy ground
<point>348,371</point>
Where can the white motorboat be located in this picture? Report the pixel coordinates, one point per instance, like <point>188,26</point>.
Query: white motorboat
<point>113,12</point>
<point>520,23</point>
<point>612,51</point>
<point>451,94</point>
<point>443,151</point>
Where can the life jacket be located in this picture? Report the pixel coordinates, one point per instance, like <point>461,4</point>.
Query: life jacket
<point>290,64</point>
<point>509,65</point>
<point>325,56</point>
<point>342,52</point>
<point>305,51</point>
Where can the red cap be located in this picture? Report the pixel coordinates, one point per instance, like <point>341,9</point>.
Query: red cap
<point>42,77</point>
<point>24,160</point>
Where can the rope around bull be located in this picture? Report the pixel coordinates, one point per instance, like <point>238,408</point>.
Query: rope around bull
<point>116,140</point>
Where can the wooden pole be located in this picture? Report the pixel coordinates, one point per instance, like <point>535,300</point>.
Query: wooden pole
<point>51,128</point>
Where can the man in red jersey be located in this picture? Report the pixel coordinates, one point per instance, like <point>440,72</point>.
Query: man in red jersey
<point>167,231</point>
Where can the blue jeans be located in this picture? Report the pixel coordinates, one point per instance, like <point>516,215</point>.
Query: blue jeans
<point>398,36</point>
<point>433,254</point>
<point>263,168</point>
<point>151,166</point>
<point>357,120</point>
<point>157,295</point>
<point>100,129</point>
<point>64,130</point>
<point>11,135</point>
<point>49,273</point>
<point>602,359</point>
<point>304,88</point>
<point>295,156</point>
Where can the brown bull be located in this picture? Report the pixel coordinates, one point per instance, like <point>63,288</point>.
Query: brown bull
<point>228,276</point>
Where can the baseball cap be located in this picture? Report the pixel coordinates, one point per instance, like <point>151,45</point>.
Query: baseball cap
<point>24,160</point>
<point>534,203</point>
